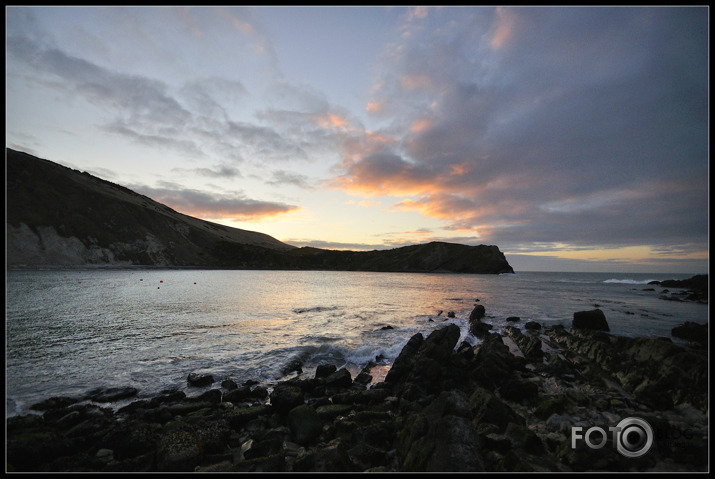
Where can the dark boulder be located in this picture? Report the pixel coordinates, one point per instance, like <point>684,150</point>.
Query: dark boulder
<point>340,379</point>
<point>325,370</point>
<point>693,332</point>
<point>532,325</point>
<point>285,397</point>
<point>594,319</point>
<point>200,380</point>
<point>477,313</point>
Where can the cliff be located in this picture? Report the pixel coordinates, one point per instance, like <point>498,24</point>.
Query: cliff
<point>60,216</point>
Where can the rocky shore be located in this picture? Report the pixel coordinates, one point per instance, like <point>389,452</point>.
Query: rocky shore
<point>521,401</point>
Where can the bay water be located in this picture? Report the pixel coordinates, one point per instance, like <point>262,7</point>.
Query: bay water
<point>71,331</point>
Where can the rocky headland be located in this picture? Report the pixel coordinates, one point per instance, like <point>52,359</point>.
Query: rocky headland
<point>57,216</point>
<point>696,288</point>
<point>518,401</point>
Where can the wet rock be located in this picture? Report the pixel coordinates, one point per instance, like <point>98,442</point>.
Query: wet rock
<point>405,360</point>
<point>200,380</point>
<point>229,384</point>
<point>293,365</point>
<point>532,325</point>
<point>340,379</point>
<point>477,313</point>
<point>325,370</point>
<point>513,319</point>
<point>53,403</point>
<point>594,319</point>
<point>285,397</point>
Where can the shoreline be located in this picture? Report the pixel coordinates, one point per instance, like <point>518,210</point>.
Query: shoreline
<point>514,402</point>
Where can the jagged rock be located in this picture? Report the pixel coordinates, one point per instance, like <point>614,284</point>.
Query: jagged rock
<point>477,313</point>
<point>405,360</point>
<point>442,438</point>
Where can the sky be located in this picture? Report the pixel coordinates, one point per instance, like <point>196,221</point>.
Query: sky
<point>574,138</point>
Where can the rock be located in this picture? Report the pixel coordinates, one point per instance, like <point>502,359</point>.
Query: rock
<point>594,320</point>
<point>53,403</point>
<point>513,319</point>
<point>442,438</point>
<point>178,451</point>
<point>293,365</point>
<point>111,394</point>
<point>519,391</point>
<point>285,397</point>
<point>532,325</point>
<point>690,331</point>
<point>238,394</point>
<point>339,379</point>
<point>199,380</point>
<point>325,370</point>
<point>477,313</point>
<point>229,384</point>
<point>304,424</point>
<point>451,314</point>
<point>405,360</point>
<point>488,410</point>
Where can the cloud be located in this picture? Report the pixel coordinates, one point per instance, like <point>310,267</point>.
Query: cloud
<point>580,126</point>
<point>214,206</point>
<point>219,171</point>
<point>192,117</point>
<point>281,178</point>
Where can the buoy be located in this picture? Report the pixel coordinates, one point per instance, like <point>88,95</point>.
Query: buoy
<point>161,281</point>
<point>194,282</point>
<point>65,277</point>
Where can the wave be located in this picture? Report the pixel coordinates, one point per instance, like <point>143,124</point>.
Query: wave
<point>629,281</point>
<point>316,309</point>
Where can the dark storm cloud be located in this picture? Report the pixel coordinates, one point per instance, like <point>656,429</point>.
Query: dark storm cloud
<point>585,126</point>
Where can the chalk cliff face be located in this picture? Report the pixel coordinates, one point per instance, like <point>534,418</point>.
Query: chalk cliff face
<point>60,216</point>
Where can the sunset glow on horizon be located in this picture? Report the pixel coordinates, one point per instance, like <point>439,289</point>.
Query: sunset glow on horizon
<point>575,139</point>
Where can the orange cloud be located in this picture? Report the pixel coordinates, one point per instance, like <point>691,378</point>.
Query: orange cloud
<point>375,106</point>
<point>331,121</point>
<point>412,82</point>
<point>504,28</point>
<point>420,125</point>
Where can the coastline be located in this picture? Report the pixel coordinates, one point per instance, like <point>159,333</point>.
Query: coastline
<point>514,402</point>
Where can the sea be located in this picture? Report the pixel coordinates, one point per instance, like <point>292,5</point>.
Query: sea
<point>72,331</point>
